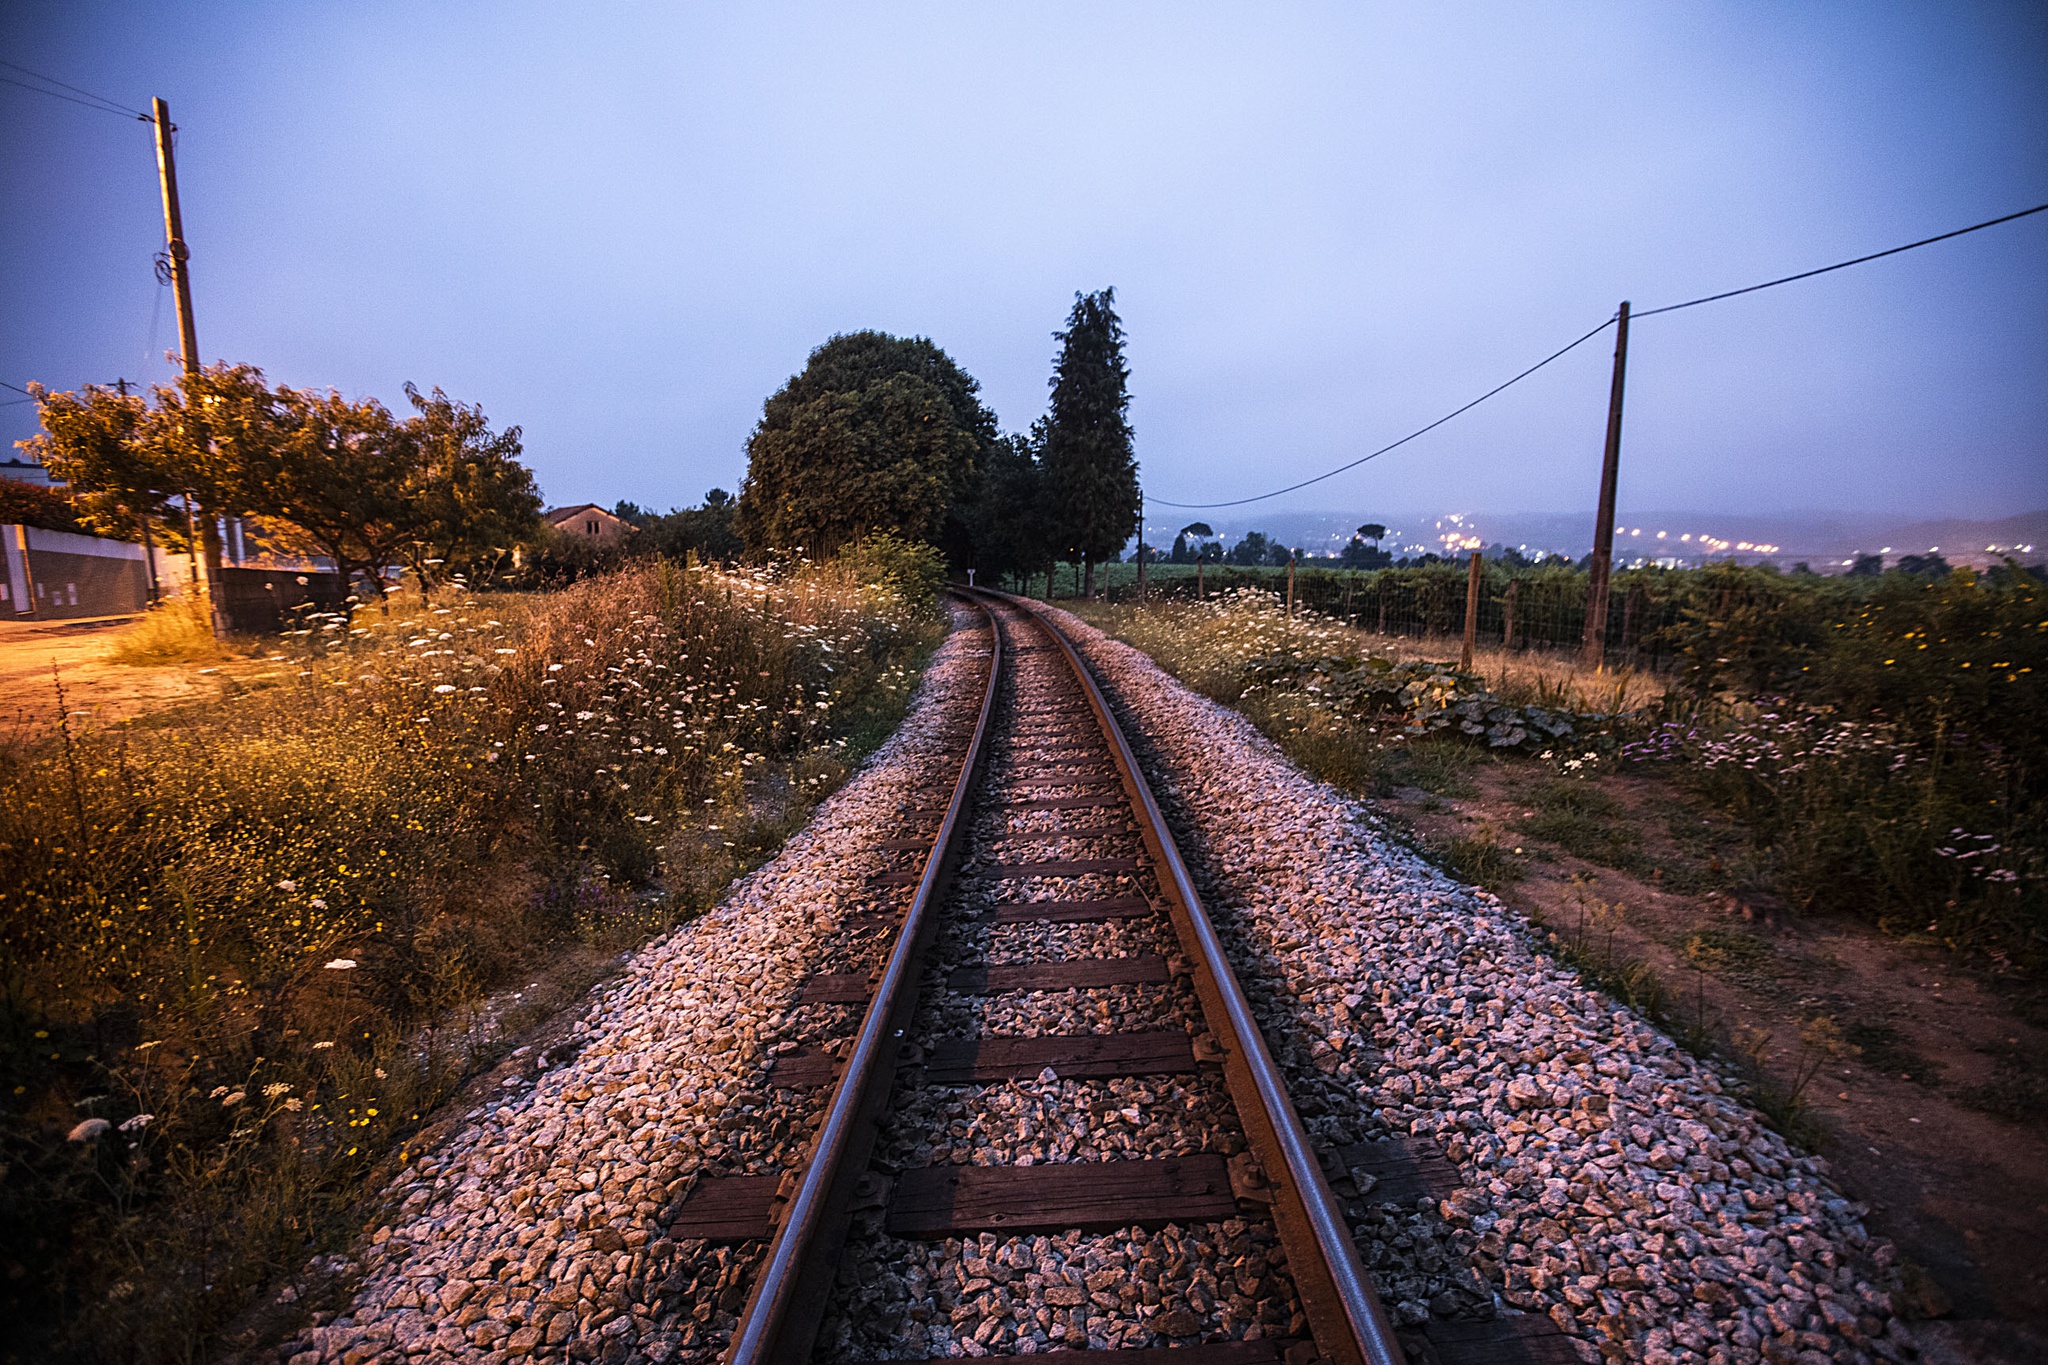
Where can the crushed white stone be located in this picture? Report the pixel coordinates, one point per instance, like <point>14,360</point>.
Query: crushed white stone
<point>536,1232</point>
<point>1611,1181</point>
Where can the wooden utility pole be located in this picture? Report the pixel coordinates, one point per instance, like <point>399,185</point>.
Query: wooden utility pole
<point>179,257</point>
<point>1471,614</point>
<point>1603,529</point>
<point>1141,545</point>
<point>174,237</point>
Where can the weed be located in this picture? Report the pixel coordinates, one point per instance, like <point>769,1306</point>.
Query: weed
<point>238,931</point>
<point>1733,953</point>
<point>1480,860</point>
<point>1581,819</point>
<point>174,631</point>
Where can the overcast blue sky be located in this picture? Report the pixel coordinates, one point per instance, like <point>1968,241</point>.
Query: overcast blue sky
<point>621,226</point>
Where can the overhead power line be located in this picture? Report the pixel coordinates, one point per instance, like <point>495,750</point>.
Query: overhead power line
<point>1647,312</point>
<point>1841,265</point>
<point>77,95</point>
<point>1239,502</point>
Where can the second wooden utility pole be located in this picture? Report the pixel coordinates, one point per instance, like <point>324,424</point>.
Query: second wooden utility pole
<point>1141,545</point>
<point>1471,614</point>
<point>1603,529</point>
<point>179,259</point>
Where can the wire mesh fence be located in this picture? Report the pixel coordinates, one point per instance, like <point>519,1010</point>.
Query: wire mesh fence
<point>1650,618</point>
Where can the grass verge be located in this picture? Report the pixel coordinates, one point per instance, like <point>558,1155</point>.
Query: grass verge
<point>243,940</point>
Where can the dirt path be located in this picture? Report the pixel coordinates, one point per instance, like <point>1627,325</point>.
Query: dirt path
<point>1919,1082</point>
<point>105,691</point>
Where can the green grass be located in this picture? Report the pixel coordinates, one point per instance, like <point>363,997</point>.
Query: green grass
<point>1586,823</point>
<point>1480,860</point>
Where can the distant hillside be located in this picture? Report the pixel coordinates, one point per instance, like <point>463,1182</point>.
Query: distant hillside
<point>1823,540</point>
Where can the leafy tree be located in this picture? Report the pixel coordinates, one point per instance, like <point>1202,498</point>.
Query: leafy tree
<point>29,504</point>
<point>1255,549</point>
<point>878,433</point>
<point>1929,565</point>
<point>323,474</point>
<point>335,484</point>
<point>1373,532</point>
<point>90,442</point>
<point>1867,566</point>
<point>468,498</point>
<point>1090,474</point>
<point>1006,521</point>
<point>705,530</point>
<point>1358,555</point>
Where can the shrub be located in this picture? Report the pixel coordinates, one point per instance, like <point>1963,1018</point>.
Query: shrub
<point>232,932</point>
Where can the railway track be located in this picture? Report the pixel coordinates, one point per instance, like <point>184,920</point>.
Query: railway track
<point>963,1071</point>
<point>1039,942</point>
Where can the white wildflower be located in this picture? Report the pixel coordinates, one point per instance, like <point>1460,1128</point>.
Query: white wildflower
<point>342,964</point>
<point>90,1130</point>
<point>138,1123</point>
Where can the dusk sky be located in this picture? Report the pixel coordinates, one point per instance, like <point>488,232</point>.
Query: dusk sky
<point>622,226</point>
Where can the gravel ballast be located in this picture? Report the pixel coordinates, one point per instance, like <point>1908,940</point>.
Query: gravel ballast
<point>1610,1181</point>
<point>536,1232</point>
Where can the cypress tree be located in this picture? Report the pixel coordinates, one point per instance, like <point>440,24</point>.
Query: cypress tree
<point>1090,474</point>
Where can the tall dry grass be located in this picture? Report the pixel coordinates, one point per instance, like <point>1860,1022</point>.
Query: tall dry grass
<point>240,939</point>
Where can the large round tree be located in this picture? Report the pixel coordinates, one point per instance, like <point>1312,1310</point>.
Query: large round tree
<point>879,433</point>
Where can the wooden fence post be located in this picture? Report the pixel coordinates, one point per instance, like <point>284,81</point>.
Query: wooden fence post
<point>1507,614</point>
<point>1471,614</point>
<point>1290,587</point>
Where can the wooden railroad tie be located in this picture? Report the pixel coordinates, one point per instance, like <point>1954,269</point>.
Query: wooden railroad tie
<point>946,1201</point>
<point>999,872</point>
<point>1063,803</point>
<point>1071,912</point>
<point>1084,973</point>
<point>1041,836</point>
<point>976,1061</point>
<point>1262,1352</point>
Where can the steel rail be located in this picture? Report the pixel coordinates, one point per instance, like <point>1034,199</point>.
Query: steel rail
<point>1344,1311</point>
<point>780,1322</point>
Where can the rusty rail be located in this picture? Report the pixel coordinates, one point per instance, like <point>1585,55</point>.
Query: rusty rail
<point>780,1320</point>
<point>1344,1312</point>
<point>779,1323</point>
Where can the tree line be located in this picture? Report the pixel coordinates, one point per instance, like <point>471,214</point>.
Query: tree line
<point>884,433</point>
<point>320,474</point>
<point>877,433</point>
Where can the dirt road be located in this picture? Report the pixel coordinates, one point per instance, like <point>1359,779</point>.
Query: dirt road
<point>104,691</point>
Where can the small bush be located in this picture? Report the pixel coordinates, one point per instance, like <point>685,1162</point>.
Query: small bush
<point>177,630</point>
<point>1480,860</point>
<point>911,568</point>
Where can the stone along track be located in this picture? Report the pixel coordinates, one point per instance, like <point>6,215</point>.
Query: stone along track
<point>1057,1126</point>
